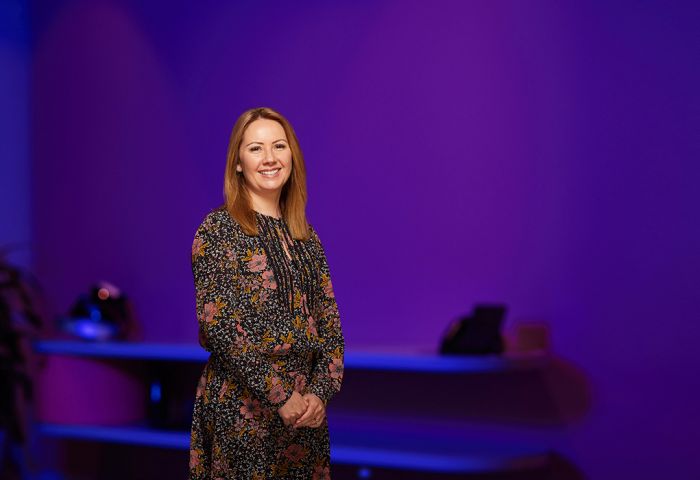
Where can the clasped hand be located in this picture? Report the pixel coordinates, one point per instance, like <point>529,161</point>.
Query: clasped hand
<point>303,411</point>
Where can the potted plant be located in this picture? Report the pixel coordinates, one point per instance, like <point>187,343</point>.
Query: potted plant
<point>20,323</point>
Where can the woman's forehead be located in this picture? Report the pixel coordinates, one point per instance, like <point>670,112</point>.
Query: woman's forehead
<point>264,130</point>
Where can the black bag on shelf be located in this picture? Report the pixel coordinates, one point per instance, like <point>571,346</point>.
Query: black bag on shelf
<point>476,334</point>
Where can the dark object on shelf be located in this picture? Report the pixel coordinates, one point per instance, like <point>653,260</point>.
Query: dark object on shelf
<point>167,408</point>
<point>476,334</point>
<point>157,406</point>
<point>103,314</point>
<point>20,324</point>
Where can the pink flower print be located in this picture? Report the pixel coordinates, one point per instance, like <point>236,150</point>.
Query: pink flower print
<point>250,408</point>
<point>219,466</point>
<point>200,386</point>
<point>330,311</point>
<point>239,425</point>
<point>304,305</point>
<point>210,311</point>
<point>336,368</point>
<point>261,432</point>
<point>269,279</point>
<point>328,289</point>
<point>276,394</point>
<point>312,326</point>
<point>321,473</point>
<point>249,284</point>
<point>197,246</point>
<point>282,349</point>
<point>241,343</point>
<point>223,390</point>
<point>257,263</point>
<point>299,383</point>
<point>240,330</point>
<point>194,458</point>
<point>295,452</point>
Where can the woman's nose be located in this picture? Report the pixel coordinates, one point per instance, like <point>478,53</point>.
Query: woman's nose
<point>269,155</point>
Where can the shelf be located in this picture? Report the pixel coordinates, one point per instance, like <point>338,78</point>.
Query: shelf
<point>136,435</point>
<point>124,350</point>
<point>355,359</point>
<point>438,458</point>
<point>468,462</point>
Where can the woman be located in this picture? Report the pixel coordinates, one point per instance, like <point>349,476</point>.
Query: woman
<point>268,315</point>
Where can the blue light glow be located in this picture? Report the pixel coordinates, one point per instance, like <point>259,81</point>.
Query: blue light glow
<point>364,473</point>
<point>155,392</point>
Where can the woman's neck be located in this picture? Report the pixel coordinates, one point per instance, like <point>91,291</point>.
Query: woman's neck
<point>266,205</point>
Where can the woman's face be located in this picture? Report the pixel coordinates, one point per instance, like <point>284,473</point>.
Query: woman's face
<point>265,157</point>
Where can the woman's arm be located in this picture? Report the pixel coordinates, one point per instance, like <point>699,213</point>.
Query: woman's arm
<point>327,374</point>
<point>216,274</point>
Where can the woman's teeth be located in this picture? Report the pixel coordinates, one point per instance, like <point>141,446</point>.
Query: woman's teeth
<point>270,173</point>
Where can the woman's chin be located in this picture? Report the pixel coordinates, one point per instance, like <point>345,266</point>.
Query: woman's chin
<point>269,187</point>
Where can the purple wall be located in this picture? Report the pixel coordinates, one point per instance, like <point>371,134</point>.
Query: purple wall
<point>542,154</point>
<point>15,194</point>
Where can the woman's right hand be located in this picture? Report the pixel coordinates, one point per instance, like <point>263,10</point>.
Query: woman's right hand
<point>293,408</point>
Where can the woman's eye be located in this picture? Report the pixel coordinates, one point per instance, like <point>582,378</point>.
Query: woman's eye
<point>254,149</point>
<point>280,146</point>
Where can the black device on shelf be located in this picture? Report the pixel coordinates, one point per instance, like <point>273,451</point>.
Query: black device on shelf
<point>476,334</point>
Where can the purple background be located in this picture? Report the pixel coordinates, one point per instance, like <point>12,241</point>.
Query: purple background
<point>15,165</point>
<point>543,154</point>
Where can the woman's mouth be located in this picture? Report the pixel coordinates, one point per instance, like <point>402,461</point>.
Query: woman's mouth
<point>270,173</point>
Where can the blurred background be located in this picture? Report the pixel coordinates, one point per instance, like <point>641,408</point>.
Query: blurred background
<point>541,155</point>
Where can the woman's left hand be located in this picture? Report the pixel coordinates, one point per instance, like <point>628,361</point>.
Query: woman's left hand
<point>315,412</point>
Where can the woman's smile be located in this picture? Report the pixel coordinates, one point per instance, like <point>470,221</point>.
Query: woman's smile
<point>270,173</point>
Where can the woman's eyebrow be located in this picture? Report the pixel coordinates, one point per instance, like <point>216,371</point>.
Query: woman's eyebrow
<point>278,140</point>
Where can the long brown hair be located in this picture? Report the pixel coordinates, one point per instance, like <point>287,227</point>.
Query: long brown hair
<point>293,196</point>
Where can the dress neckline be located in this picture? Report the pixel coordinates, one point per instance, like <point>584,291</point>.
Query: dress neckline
<point>269,216</point>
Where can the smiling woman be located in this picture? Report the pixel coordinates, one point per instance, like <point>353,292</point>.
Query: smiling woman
<point>265,162</point>
<point>265,172</point>
<point>267,313</point>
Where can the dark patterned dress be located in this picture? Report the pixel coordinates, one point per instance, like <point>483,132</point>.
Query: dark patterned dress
<point>267,314</point>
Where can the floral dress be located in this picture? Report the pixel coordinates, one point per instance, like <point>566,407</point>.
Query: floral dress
<point>268,316</point>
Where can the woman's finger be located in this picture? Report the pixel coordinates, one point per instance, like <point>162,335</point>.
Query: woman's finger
<point>318,419</point>
<point>309,413</point>
<point>305,420</point>
<point>308,418</point>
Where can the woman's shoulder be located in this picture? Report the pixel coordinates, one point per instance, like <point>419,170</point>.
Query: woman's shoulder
<point>219,223</point>
<point>314,241</point>
<point>313,234</point>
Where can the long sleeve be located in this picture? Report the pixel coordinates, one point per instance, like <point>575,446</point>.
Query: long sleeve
<point>327,374</point>
<point>216,276</point>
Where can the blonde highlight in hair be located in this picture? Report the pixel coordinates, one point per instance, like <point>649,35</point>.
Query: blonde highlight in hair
<point>293,196</point>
